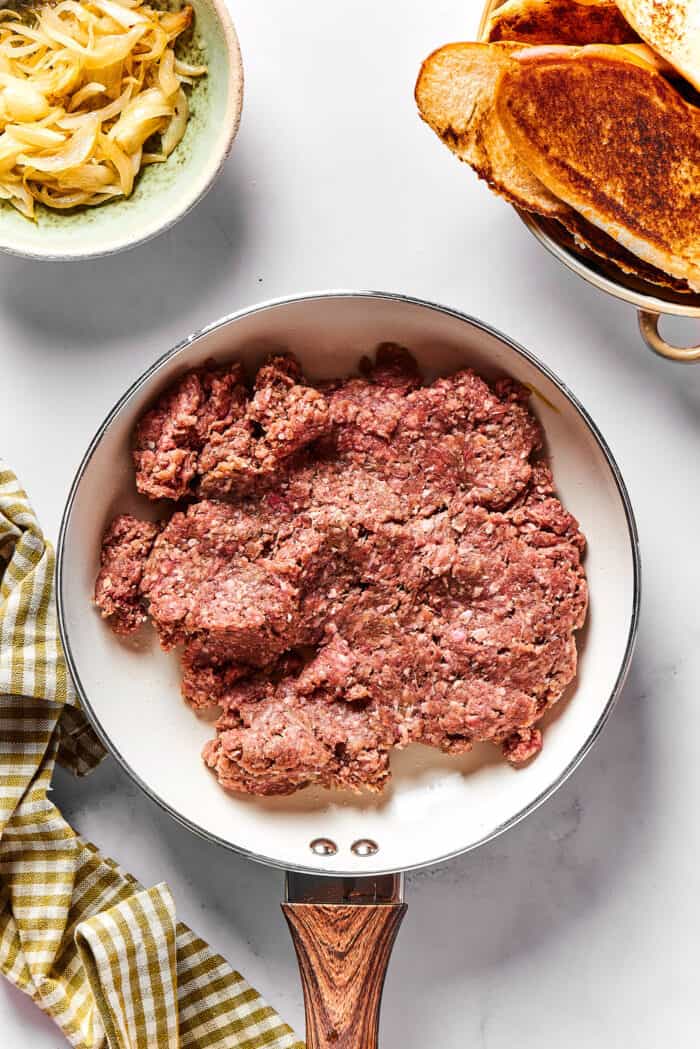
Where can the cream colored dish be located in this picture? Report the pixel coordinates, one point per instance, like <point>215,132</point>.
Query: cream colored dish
<point>436,805</point>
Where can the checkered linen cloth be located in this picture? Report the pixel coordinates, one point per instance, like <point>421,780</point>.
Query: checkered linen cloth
<point>105,957</point>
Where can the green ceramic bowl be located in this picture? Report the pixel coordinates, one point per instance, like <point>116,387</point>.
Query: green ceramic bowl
<point>164,192</point>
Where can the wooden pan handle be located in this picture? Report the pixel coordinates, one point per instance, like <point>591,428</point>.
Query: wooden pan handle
<point>343,954</point>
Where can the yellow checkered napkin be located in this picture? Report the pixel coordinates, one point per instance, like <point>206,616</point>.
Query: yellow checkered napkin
<point>105,957</point>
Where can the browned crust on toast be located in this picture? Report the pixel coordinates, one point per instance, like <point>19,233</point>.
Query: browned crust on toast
<point>560,22</point>
<point>671,29</point>
<point>596,245</point>
<point>618,143</point>
<point>455,93</point>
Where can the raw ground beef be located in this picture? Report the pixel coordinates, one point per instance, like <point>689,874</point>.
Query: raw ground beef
<point>350,568</point>
<point>125,548</point>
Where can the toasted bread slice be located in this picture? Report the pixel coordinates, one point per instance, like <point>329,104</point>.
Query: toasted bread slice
<point>638,276</point>
<point>614,139</point>
<point>672,28</point>
<point>560,22</point>
<point>455,93</point>
<point>642,52</point>
<point>594,244</point>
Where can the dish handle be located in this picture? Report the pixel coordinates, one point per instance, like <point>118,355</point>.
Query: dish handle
<point>649,328</point>
<point>343,950</point>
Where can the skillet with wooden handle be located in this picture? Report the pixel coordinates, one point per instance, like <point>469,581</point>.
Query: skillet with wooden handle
<point>342,853</point>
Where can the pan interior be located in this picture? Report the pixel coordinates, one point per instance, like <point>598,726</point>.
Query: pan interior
<point>436,805</point>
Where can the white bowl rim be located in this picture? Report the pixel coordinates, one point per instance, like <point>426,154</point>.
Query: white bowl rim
<point>633,535</point>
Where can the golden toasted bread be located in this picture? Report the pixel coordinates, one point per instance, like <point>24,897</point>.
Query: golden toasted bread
<point>560,22</point>
<point>455,93</point>
<point>587,240</point>
<point>614,139</point>
<point>671,27</point>
<point>638,275</point>
<point>642,52</point>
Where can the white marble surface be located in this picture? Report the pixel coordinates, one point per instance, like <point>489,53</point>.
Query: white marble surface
<point>581,926</point>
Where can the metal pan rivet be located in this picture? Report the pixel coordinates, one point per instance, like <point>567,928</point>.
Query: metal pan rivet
<point>364,847</point>
<point>323,847</point>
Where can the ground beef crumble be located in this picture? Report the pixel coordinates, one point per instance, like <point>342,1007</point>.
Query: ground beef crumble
<point>125,548</point>
<point>350,567</point>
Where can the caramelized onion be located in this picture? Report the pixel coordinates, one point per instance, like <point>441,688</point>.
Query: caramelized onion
<point>85,85</point>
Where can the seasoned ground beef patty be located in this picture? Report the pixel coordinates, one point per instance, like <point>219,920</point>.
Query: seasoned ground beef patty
<point>350,567</point>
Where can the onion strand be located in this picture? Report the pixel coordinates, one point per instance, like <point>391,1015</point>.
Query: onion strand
<point>91,91</point>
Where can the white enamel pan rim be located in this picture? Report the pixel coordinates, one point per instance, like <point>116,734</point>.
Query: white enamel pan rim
<point>148,375</point>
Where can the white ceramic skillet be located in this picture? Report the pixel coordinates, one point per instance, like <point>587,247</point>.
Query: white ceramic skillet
<point>436,806</point>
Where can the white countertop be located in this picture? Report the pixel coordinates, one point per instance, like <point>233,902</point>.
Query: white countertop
<point>580,927</point>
